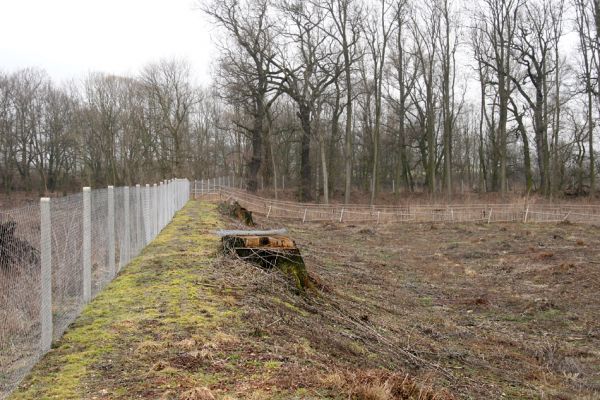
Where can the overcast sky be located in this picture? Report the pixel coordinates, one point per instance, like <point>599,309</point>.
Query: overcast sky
<point>69,38</point>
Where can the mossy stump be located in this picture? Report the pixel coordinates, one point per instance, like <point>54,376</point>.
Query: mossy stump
<point>270,252</point>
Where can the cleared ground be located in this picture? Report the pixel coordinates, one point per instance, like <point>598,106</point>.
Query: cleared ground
<point>410,311</point>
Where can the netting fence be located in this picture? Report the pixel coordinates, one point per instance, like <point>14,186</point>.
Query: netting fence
<point>225,188</point>
<point>58,255</point>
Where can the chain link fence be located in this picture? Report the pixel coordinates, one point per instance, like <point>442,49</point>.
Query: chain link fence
<point>58,255</point>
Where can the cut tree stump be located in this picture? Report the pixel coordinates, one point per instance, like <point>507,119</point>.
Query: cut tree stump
<point>269,251</point>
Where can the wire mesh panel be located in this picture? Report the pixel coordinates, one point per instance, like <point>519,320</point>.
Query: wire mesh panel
<point>119,227</point>
<point>133,222</point>
<point>42,287</point>
<point>19,294</point>
<point>101,273</point>
<point>67,272</point>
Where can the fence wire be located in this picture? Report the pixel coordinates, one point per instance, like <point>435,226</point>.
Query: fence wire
<point>42,281</point>
<point>215,189</point>
<point>20,283</point>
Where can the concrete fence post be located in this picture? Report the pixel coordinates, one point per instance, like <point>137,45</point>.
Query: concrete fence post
<point>110,230</point>
<point>46,274</point>
<point>127,231</point>
<point>87,245</point>
<point>147,214</point>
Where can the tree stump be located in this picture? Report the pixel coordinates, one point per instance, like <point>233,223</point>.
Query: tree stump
<point>270,251</point>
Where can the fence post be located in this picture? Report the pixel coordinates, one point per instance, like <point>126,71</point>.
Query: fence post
<point>87,245</point>
<point>46,274</point>
<point>127,233</point>
<point>490,215</point>
<point>526,213</point>
<point>304,218</point>
<point>111,230</point>
<point>378,216</point>
<point>342,215</point>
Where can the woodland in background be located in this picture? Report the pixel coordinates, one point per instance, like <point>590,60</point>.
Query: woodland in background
<point>330,96</point>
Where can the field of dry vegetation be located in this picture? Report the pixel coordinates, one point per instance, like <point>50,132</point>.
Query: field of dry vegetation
<point>394,312</point>
<point>482,311</point>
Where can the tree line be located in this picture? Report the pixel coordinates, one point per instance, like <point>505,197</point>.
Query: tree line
<point>107,129</point>
<point>331,96</point>
<point>435,95</point>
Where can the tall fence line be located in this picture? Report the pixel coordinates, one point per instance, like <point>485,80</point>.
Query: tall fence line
<point>219,188</point>
<point>57,256</point>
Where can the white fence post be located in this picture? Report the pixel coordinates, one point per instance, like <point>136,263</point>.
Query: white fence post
<point>111,230</point>
<point>127,233</point>
<point>87,245</point>
<point>46,274</point>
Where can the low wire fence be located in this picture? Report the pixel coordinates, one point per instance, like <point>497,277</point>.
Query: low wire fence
<point>58,255</point>
<point>223,188</point>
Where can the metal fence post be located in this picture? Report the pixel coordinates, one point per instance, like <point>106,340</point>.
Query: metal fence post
<point>111,230</point>
<point>87,245</point>
<point>46,274</point>
<point>127,233</point>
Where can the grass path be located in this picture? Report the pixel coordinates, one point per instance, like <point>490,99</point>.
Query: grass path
<point>146,334</point>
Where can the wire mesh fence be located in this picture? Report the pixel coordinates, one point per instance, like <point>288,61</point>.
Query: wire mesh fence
<point>227,188</point>
<point>56,256</point>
